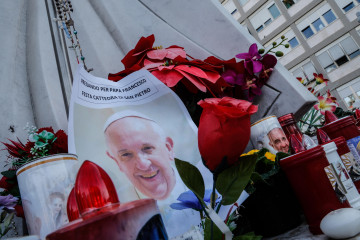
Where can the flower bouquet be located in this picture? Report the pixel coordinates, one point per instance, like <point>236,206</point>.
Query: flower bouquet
<point>218,95</point>
<point>315,118</point>
<point>270,193</point>
<point>41,142</point>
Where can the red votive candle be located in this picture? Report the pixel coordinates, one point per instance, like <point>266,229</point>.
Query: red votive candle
<point>306,174</point>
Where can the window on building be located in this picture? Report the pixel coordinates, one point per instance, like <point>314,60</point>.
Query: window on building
<point>308,32</point>
<point>349,100</point>
<point>329,16</point>
<point>349,7</point>
<point>339,54</point>
<point>326,62</point>
<point>289,3</point>
<point>306,71</point>
<point>318,24</point>
<point>242,2</point>
<point>274,11</point>
<point>350,47</point>
<point>235,10</point>
<point>268,22</point>
<point>260,28</point>
<point>293,42</point>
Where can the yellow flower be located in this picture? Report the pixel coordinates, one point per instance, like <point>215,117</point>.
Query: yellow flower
<point>270,156</point>
<point>250,152</point>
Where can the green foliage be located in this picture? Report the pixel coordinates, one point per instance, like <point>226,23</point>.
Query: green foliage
<point>9,173</point>
<point>340,113</point>
<point>248,236</point>
<point>261,51</point>
<point>192,178</point>
<point>264,169</point>
<point>232,181</point>
<point>217,234</point>
<point>279,53</point>
<point>276,45</point>
<point>5,222</point>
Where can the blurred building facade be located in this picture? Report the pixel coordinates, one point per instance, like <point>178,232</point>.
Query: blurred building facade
<point>324,37</point>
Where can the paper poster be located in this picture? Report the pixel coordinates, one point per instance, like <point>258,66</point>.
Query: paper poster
<point>134,129</point>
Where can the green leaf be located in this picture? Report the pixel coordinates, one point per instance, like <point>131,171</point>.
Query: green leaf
<point>9,173</point>
<point>217,234</point>
<point>248,236</point>
<point>34,137</point>
<point>8,219</point>
<point>192,177</point>
<point>48,135</point>
<point>2,216</point>
<point>232,181</point>
<point>40,144</point>
<point>281,155</point>
<point>256,177</point>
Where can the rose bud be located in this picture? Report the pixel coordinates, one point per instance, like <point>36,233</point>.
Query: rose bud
<point>224,130</point>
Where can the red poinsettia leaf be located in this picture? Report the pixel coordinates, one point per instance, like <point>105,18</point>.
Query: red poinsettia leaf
<point>192,70</point>
<point>157,54</point>
<point>152,64</point>
<point>134,56</point>
<point>120,75</point>
<point>212,76</point>
<point>194,80</point>
<point>172,53</point>
<point>169,77</point>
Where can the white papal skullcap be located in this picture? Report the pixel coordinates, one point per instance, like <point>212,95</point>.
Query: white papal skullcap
<point>272,126</point>
<point>124,114</point>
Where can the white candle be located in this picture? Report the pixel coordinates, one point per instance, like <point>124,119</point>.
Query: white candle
<point>341,223</point>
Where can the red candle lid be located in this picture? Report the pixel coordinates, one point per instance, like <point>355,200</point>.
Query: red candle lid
<point>72,207</point>
<point>330,117</point>
<point>286,119</point>
<point>93,188</point>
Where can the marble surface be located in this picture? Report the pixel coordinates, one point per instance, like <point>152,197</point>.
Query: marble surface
<point>301,232</point>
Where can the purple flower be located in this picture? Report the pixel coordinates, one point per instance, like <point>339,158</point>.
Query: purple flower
<point>252,59</point>
<point>8,202</point>
<point>231,77</point>
<point>189,200</point>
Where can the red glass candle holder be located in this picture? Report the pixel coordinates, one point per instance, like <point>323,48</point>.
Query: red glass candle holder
<point>288,124</point>
<point>306,174</point>
<point>342,127</point>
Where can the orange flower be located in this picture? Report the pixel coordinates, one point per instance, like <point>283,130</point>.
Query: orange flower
<point>301,80</point>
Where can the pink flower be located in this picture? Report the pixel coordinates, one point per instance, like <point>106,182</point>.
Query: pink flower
<point>333,99</point>
<point>252,59</point>
<point>325,104</point>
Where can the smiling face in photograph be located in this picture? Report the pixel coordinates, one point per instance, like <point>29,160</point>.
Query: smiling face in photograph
<point>144,154</point>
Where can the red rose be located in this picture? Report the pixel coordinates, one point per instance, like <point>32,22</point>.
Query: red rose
<point>224,130</point>
<point>60,145</point>
<point>19,211</point>
<point>5,184</point>
<point>48,129</point>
